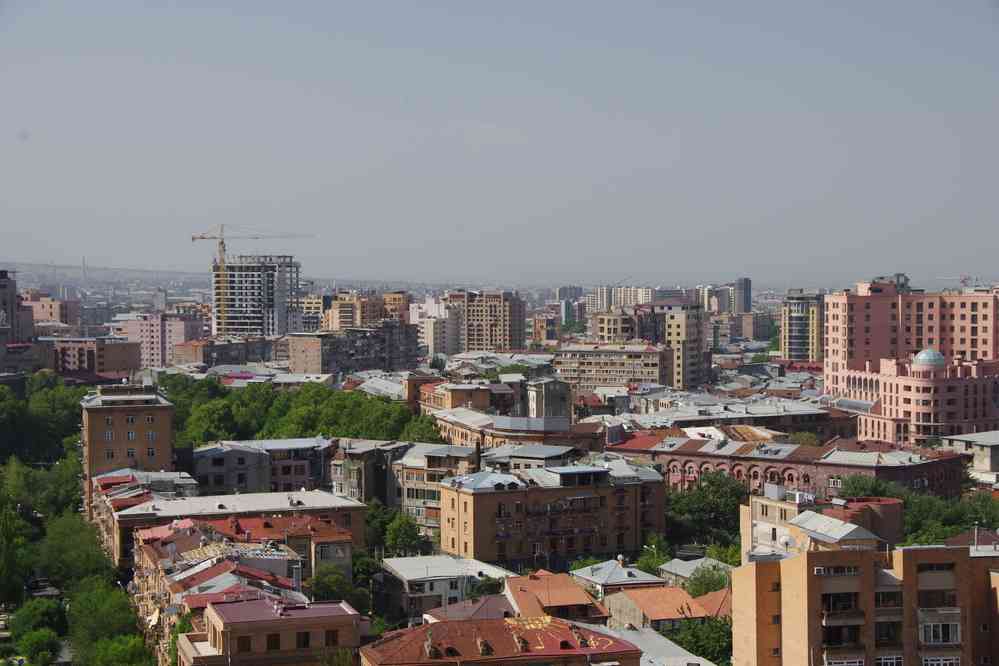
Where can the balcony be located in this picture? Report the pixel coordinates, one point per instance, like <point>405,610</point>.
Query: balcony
<point>194,649</point>
<point>844,617</point>
<point>940,614</point>
<point>841,649</point>
<point>888,614</point>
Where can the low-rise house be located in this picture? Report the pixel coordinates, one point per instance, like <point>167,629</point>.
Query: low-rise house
<point>612,576</point>
<point>659,608</point>
<point>678,572</point>
<point>414,585</point>
<point>488,607</point>
<point>296,464</point>
<point>264,632</point>
<point>557,595</point>
<point>717,603</point>
<point>540,641</point>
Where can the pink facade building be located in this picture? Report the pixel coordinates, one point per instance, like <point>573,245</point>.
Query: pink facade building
<point>887,319</point>
<point>925,398</point>
<point>157,333</point>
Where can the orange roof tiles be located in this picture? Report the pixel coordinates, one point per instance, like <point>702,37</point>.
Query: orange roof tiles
<point>503,641</point>
<point>533,595</point>
<point>665,603</point>
<point>258,528</point>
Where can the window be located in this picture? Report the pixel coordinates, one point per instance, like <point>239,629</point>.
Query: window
<point>151,452</point>
<point>108,420</point>
<point>452,585</point>
<point>109,454</point>
<point>934,566</point>
<point>149,419</point>
<point>889,660</point>
<point>130,419</point>
<point>130,453</point>
<point>332,637</point>
<point>775,619</point>
<point>940,633</point>
<point>302,640</point>
<point>240,461</point>
<point>218,461</point>
<point>273,642</point>
<point>244,644</point>
<point>241,479</point>
<point>888,599</point>
<point>151,436</point>
<point>938,599</point>
<point>131,435</point>
<point>109,435</point>
<point>941,661</point>
<point>775,652</point>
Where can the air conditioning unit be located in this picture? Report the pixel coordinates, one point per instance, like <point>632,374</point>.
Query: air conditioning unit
<point>819,571</point>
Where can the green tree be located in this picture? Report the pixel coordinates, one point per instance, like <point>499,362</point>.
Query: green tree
<point>97,611</point>
<point>583,561</point>
<point>209,422</point>
<point>182,626</point>
<point>421,429</point>
<point>708,578</point>
<point>376,523</point>
<point>868,486</point>
<point>71,552</point>
<point>329,584</point>
<point>128,650</point>
<point>731,554</point>
<point>40,646</point>
<point>708,512</point>
<point>402,536</point>
<point>803,438</point>
<point>16,425</point>
<point>710,638</point>
<point>13,565</point>
<point>481,587</point>
<point>336,657</point>
<point>38,614</point>
<point>655,553</point>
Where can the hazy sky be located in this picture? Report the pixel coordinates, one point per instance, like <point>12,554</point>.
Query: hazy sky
<point>793,141</point>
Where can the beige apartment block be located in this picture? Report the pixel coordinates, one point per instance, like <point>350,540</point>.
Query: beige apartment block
<point>587,366</point>
<point>489,320</point>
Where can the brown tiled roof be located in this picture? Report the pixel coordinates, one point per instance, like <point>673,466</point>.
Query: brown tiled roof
<point>534,594</point>
<point>257,528</point>
<point>507,641</point>
<point>489,607</point>
<point>665,603</point>
<point>718,603</point>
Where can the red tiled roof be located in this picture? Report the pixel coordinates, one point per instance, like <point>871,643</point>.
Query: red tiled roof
<point>263,528</point>
<point>510,640</point>
<point>135,500</point>
<point>203,576</point>
<point>234,593</point>
<point>535,594</point>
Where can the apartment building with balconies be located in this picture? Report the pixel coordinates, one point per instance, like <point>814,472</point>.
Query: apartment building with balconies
<point>489,320</point>
<point>418,474</point>
<point>587,366</point>
<point>547,516</point>
<point>832,593</point>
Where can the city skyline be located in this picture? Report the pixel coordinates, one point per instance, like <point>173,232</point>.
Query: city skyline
<point>412,147</point>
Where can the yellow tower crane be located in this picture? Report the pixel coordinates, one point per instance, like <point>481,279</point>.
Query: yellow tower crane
<point>218,233</point>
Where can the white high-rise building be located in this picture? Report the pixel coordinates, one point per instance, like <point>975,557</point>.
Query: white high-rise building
<point>256,295</point>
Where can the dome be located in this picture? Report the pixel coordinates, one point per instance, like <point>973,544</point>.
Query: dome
<point>930,357</point>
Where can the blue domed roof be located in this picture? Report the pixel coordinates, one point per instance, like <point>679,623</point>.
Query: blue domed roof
<point>929,357</point>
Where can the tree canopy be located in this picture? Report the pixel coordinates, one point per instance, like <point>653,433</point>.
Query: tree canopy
<point>708,512</point>
<point>329,584</point>
<point>709,578</point>
<point>402,536</point>
<point>710,638</point>
<point>206,411</point>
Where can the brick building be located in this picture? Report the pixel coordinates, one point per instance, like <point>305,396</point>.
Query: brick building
<point>107,357</point>
<point>551,515</point>
<point>389,345</point>
<point>587,366</point>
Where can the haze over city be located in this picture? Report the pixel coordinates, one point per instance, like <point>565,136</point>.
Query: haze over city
<point>447,141</point>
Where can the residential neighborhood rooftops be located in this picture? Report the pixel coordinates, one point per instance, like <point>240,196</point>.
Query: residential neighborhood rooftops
<point>485,481</point>
<point>267,610</point>
<point>657,650</point>
<point>686,568</point>
<point>283,444</point>
<point>489,607</point>
<point>664,603</point>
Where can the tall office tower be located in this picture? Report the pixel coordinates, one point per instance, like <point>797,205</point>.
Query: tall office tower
<point>256,295</point>
<point>886,318</point>
<point>802,326</point>
<point>599,299</point>
<point>742,300</point>
<point>569,293</point>
<point>489,320</point>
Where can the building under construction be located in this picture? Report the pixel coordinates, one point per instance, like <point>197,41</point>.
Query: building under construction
<point>256,295</point>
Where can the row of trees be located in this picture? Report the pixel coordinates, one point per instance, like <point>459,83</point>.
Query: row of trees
<point>206,411</point>
<point>39,427</point>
